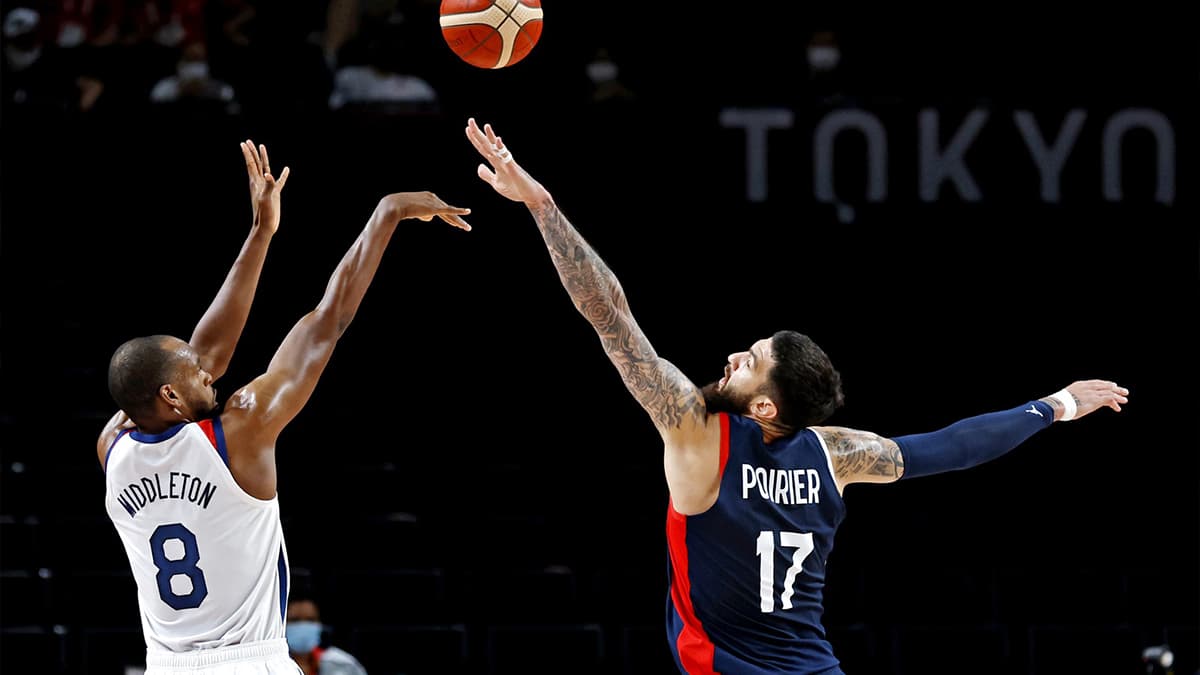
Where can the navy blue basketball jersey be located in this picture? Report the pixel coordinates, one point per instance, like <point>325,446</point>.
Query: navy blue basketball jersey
<point>746,576</point>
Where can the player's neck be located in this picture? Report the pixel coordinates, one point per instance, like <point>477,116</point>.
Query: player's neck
<point>772,430</point>
<point>157,425</point>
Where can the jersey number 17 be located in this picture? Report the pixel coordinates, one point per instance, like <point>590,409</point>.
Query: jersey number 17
<point>803,543</point>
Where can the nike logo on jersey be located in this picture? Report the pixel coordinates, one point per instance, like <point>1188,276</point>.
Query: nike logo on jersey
<point>1033,409</point>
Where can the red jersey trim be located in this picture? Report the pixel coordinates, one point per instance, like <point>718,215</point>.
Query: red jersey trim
<point>695,648</point>
<point>207,427</point>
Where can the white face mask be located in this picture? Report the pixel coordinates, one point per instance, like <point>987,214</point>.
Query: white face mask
<point>20,59</point>
<point>601,71</point>
<point>193,70</point>
<point>823,57</point>
<point>71,35</point>
<point>170,35</point>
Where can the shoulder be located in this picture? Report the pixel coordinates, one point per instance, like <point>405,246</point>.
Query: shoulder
<point>241,413</point>
<point>117,425</point>
<point>335,661</point>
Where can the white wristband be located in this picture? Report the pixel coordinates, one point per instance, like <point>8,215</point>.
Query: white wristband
<point>1068,403</point>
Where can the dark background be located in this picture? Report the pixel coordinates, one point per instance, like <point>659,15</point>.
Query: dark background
<point>471,489</point>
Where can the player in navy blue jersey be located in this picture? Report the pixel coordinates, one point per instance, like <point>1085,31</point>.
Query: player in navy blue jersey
<point>755,486</point>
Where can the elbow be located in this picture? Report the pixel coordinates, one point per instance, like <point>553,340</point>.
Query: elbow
<point>218,364</point>
<point>330,323</point>
<point>388,210</point>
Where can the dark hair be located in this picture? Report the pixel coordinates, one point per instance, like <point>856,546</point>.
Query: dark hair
<point>806,386</point>
<point>136,370</point>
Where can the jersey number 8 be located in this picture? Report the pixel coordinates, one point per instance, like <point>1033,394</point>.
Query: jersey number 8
<point>171,567</point>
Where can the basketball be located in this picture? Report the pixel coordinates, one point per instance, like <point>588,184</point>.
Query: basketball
<point>491,33</point>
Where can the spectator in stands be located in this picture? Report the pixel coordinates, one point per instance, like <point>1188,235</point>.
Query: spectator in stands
<point>304,636</point>
<point>375,69</point>
<point>604,76</point>
<point>192,81</point>
<point>36,78</point>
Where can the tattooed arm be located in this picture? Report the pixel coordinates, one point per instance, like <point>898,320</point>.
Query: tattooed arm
<point>861,456</point>
<point>864,457</point>
<point>675,405</point>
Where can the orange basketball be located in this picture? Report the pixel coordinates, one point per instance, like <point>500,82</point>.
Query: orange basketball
<point>491,33</point>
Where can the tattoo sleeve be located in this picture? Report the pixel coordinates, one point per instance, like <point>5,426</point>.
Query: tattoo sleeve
<point>863,456</point>
<point>660,388</point>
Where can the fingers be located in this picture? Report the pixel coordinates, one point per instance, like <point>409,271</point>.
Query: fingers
<point>486,174</point>
<point>487,143</point>
<point>265,163</point>
<point>1100,394</point>
<point>502,153</point>
<point>251,158</point>
<point>258,163</point>
<point>456,221</point>
<point>452,215</point>
<point>477,138</point>
<point>283,177</point>
<point>1114,391</point>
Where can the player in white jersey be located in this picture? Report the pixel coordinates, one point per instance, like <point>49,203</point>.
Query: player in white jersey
<point>190,489</point>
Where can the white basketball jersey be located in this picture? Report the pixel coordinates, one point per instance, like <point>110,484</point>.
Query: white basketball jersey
<point>209,559</point>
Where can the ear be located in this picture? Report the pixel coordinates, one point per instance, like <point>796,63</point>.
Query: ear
<point>763,407</point>
<point>168,395</point>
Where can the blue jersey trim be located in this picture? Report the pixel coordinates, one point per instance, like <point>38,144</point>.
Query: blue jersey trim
<point>108,453</point>
<point>219,433</point>
<point>157,438</point>
<point>283,586</point>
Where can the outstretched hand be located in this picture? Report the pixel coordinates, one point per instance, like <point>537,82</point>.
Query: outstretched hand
<point>264,188</point>
<point>425,206</point>
<point>504,174</point>
<point>1091,395</point>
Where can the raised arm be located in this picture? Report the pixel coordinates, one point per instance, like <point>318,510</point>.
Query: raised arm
<point>255,415</point>
<point>865,457</point>
<point>674,403</point>
<point>218,331</point>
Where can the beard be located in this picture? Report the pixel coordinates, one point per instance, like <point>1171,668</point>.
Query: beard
<point>726,401</point>
<point>207,406</point>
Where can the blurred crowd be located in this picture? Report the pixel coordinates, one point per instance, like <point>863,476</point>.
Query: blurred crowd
<point>93,56</point>
<point>87,56</point>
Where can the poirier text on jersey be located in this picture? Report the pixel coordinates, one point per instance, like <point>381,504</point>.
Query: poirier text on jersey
<point>782,486</point>
<point>173,485</point>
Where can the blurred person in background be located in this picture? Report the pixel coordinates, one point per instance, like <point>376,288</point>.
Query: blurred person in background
<point>604,78</point>
<point>374,70</point>
<point>37,76</point>
<point>305,637</point>
<point>193,82</point>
